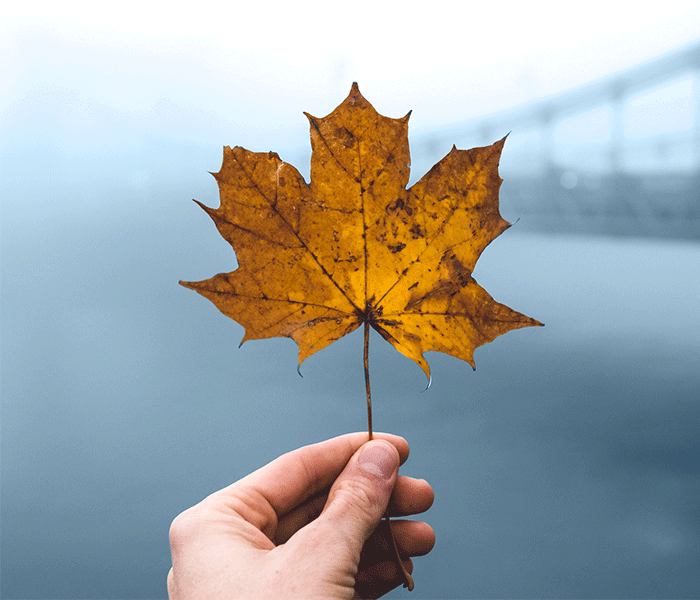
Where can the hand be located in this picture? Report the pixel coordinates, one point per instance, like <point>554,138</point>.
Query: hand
<point>304,526</point>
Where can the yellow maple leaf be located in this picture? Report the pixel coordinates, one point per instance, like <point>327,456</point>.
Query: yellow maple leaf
<point>355,247</point>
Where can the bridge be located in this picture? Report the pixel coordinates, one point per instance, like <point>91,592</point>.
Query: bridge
<point>639,175</point>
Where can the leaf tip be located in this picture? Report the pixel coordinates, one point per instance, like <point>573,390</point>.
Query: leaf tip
<point>498,146</point>
<point>355,97</point>
<point>312,120</point>
<point>423,364</point>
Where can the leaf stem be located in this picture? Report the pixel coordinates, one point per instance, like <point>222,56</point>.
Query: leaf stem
<point>369,393</point>
<point>408,583</point>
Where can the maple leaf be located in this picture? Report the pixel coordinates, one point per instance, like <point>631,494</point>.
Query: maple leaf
<point>355,247</point>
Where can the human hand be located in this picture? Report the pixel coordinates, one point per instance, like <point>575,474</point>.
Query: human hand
<point>304,526</point>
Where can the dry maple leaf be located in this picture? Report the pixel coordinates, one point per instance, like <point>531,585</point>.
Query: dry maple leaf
<point>355,246</point>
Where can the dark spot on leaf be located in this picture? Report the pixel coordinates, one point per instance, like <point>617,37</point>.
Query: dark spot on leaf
<point>397,205</point>
<point>412,337</point>
<point>457,271</point>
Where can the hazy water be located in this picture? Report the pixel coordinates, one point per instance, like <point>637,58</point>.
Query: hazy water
<point>567,465</point>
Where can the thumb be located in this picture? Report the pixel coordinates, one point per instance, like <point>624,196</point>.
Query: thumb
<point>360,495</point>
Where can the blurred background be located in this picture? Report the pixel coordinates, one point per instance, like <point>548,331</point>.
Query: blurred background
<point>567,465</point>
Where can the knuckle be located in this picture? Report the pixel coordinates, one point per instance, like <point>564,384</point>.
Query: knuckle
<point>185,526</point>
<point>360,495</point>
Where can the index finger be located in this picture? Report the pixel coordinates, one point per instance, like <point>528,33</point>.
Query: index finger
<point>298,475</point>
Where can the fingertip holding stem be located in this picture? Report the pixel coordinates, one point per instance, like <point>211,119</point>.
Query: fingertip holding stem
<point>378,459</point>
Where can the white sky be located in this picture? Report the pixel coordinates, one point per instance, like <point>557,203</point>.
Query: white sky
<point>256,66</point>
<point>448,61</point>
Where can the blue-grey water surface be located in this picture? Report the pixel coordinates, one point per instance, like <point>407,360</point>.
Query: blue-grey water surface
<point>567,465</point>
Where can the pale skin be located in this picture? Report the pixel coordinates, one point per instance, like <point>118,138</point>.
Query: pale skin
<point>307,525</point>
